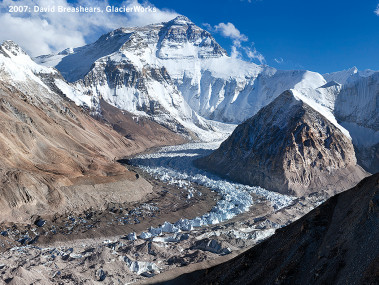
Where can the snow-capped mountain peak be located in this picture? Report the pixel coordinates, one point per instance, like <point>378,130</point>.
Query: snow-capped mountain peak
<point>286,147</point>
<point>18,65</point>
<point>37,81</point>
<point>191,68</point>
<point>347,75</point>
<point>11,49</point>
<point>128,68</point>
<point>180,37</point>
<point>181,20</point>
<point>75,63</point>
<point>176,72</point>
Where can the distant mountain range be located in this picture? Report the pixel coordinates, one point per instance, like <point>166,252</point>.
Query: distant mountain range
<point>178,75</point>
<point>174,77</point>
<point>67,118</point>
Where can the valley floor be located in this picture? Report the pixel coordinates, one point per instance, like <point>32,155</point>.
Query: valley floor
<point>192,216</point>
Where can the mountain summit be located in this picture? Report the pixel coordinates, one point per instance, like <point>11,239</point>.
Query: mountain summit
<point>10,48</point>
<point>187,68</point>
<point>178,38</point>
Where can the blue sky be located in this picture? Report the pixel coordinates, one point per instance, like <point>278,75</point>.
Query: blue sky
<point>322,36</point>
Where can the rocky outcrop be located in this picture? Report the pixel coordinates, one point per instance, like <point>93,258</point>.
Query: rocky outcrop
<point>143,131</point>
<point>288,147</point>
<point>211,245</point>
<point>333,244</point>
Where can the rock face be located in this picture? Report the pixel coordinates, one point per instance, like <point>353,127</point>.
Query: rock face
<point>333,244</point>
<point>143,131</point>
<point>288,147</point>
<point>357,107</point>
<point>50,146</point>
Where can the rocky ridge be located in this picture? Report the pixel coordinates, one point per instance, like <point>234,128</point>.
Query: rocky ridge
<point>159,69</point>
<point>50,145</point>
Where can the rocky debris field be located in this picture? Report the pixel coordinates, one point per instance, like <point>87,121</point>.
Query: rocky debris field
<point>184,221</point>
<point>131,257</point>
<point>166,203</point>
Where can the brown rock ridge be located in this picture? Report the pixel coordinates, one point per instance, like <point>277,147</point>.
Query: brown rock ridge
<point>336,243</point>
<point>146,132</point>
<point>54,156</point>
<point>287,147</point>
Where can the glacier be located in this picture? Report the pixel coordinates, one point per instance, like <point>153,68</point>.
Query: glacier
<point>173,165</point>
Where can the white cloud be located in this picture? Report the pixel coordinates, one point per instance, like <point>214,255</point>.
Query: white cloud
<point>279,60</point>
<point>376,11</point>
<point>207,26</point>
<point>46,32</point>
<point>235,53</point>
<point>230,31</point>
<point>240,48</point>
<point>253,54</point>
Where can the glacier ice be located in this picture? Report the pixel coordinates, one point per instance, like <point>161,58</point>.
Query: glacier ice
<point>140,267</point>
<point>173,165</point>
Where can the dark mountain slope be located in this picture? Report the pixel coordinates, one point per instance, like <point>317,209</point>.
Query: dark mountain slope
<point>336,243</point>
